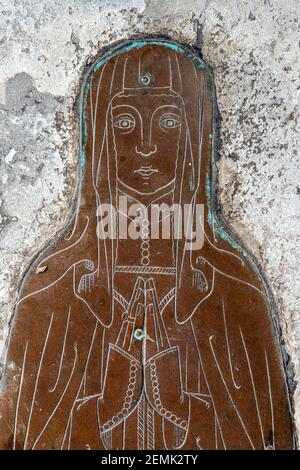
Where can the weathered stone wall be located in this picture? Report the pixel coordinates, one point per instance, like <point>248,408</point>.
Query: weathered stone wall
<point>253,47</point>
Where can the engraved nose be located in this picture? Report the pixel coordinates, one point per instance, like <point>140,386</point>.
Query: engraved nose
<point>146,150</point>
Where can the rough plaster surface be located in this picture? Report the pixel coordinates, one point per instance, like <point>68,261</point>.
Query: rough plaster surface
<point>253,47</point>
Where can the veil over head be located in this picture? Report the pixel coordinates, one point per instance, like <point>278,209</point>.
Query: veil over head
<point>172,72</point>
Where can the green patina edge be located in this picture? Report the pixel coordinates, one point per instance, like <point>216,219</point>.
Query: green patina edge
<point>138,44</point>
<point>213,222</point>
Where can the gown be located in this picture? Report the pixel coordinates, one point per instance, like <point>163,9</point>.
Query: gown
<point>147,380</point>
<point>142,413</point>
<point>135,343</point>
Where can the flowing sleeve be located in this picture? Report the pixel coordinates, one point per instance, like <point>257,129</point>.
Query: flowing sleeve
<point>242,365</point>
<point>46,357</point>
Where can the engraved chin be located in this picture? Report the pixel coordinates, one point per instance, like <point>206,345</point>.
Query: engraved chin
<point>146,171</point>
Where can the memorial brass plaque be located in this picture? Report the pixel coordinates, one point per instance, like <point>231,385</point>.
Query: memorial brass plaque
<point>144,325</point>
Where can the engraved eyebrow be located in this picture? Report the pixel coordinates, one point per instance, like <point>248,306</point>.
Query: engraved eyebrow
<point>166,106</point>
<point>124,106</point>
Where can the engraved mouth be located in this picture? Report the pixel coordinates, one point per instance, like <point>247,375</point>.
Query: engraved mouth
<point>146,171</point>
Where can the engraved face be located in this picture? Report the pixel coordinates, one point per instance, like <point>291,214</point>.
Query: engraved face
<point>147,129</point>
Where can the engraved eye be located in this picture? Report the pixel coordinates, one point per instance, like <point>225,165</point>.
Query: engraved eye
<point>125,122</point>
<point>169,121</point>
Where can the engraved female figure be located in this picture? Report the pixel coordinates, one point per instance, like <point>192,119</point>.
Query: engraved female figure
<point>142,343</point>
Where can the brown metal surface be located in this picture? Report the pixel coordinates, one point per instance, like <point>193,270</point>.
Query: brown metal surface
<point>140,344</point>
